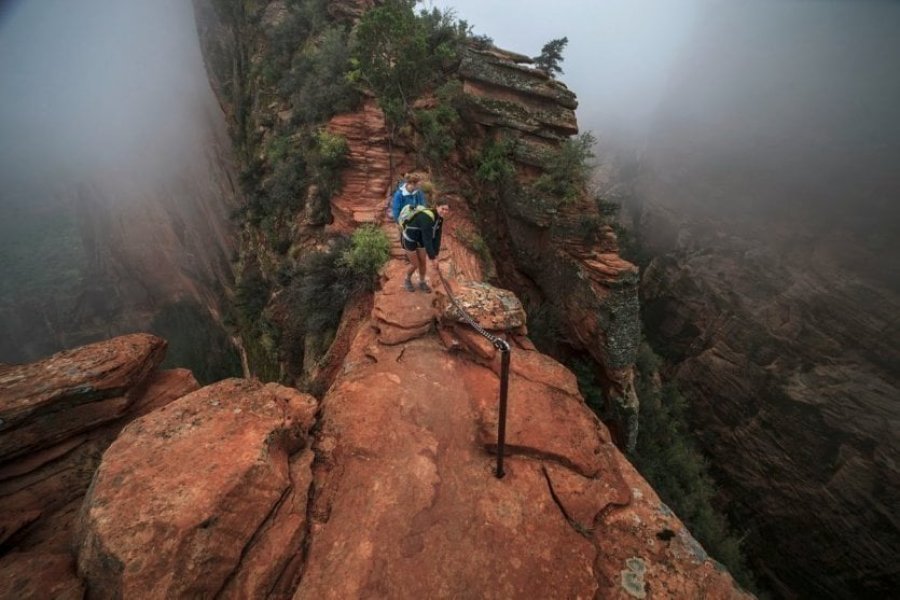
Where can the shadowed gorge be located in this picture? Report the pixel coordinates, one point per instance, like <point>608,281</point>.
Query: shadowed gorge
<point>116,176</point>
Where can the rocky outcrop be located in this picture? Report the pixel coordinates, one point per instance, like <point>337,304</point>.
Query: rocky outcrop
<point>222,505</point>
<point>504,91</point>
<point>555,245</point>
<point>57,417</point>
<point>373,167</point>
<point>407,504</point>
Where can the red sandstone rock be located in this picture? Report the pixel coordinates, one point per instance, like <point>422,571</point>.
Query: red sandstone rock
<point>40,491</point>
<point>220,502</point>
<point>367,181</point>
<point>38,575</point>
<point>75,390</point>
<point>490,307</point>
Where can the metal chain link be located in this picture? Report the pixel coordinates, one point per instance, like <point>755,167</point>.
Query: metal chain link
<point>500,344</point>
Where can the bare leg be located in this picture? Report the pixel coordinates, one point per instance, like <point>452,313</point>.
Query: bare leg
<point>413,264</point>
<point>423,263</point>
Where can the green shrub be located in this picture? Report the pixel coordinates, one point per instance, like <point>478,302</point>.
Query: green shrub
<point>398,54</point>
<point>567,169</point>
<point>315,296</point>
<point>436,127</point>
<point>317,82</point>
<point>369,250</point>
<point>494,164</point>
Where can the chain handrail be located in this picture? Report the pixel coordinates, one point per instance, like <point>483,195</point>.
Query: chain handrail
<point>504,348</point>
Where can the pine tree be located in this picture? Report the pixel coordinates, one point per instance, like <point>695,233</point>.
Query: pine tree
<point>551,56</point>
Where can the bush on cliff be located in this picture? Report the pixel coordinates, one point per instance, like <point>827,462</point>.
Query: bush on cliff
<point>369,250</point>
<point>397,54</point>
<point>494,164</point>
<point>317,82</point>
<point>567,170</point>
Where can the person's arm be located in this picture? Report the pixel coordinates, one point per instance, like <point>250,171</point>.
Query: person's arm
<point>395,205</point>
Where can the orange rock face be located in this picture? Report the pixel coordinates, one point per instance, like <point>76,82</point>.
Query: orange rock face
<point>213,483</point>
<point>407,504</point>
<point>369,178</point>
<point>61,414</point>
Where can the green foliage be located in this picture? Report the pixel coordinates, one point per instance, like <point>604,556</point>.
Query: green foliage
<point>369,250</point>
<point>398,54</point>
<point>303,19</point>
<point>196,342</point>
<point>317,82</point>
<point>436,127</point>
<point>253,293</point>
<point>567,169</point>
<point>331,150</point>
<point>316,294</point>
<point>668,458</point>
<point>494,164</point>
<point>551,56</point>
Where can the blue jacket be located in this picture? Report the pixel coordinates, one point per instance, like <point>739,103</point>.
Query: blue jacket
<point>402,198</point>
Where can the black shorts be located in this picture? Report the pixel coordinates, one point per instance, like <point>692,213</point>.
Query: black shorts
<point>414,241</point>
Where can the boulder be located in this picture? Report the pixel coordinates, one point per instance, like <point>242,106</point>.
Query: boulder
<point>44,402</point>
<point>214,483</point>
<point>491,307</point>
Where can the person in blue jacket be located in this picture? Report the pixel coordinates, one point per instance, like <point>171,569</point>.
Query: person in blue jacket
<point>407,194</point>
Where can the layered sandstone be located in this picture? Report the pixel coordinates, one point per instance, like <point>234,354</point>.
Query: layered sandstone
<point>57,417</point>
<point>558,246</point>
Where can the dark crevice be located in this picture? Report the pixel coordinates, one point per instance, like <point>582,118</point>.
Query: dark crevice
<point>264,524</point>
<point>578,527</point>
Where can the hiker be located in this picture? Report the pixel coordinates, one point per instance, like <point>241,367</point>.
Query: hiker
<point>420,236</point>
<point>408,194</point>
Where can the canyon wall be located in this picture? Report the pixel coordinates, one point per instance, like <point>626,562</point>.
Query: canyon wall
<point>773,292</point>
<point>126,212</point>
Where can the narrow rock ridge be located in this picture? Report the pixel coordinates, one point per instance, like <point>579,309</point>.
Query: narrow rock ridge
<point>406,503</point>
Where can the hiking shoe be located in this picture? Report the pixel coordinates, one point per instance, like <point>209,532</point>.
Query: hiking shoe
<point>408,285</point>
<point>424,286</point>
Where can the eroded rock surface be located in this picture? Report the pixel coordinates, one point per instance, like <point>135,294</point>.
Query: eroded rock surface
<point>62,413</point>
<point>407,504</point>
<point>205,496</point>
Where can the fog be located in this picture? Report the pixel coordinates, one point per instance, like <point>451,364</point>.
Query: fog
<point>777,105</point>
<point>114,173</point>
<point>96,89</point>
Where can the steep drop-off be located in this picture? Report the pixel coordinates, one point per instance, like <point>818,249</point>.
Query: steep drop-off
<point>773,291</point>
<point>102,249</point>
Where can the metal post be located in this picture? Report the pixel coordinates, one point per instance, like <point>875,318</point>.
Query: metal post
<point>501,425</point>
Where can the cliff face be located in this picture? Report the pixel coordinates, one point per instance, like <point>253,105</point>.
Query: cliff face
<point>783,328</point>
<point>544,246</point>
<point>386,487</point>
<point>102,252</point>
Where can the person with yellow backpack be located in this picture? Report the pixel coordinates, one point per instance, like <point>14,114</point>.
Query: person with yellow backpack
<point>420,237</point>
